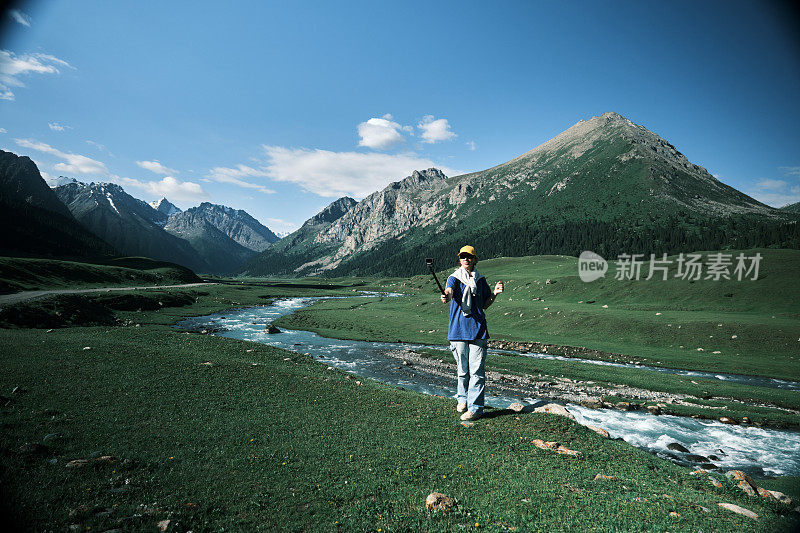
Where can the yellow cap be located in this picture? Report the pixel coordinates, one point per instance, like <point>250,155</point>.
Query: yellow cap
<point>467,250</point>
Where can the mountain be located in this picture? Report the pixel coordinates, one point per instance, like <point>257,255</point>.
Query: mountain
<point>605,184</point>
<point>33,219</point>
<point>166,207</point>
<point>791,208</point>
<point>237,224</point>
<point>299,247</point>
<point>224,237</point>
<point>130,225</point>
<point>61,180</point>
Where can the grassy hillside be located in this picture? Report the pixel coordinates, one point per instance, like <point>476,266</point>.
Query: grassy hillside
<point>25,274</point>
<point>212,433</point>
<point>752,324</point>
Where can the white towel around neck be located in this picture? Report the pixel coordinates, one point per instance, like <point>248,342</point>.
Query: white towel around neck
<point>471,283</point>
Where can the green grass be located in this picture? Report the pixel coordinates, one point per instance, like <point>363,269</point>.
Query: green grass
<point>27,274</point>
<point>754,325</point>
<point>264,439</point>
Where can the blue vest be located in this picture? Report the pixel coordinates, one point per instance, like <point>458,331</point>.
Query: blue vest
<point>472,327</point>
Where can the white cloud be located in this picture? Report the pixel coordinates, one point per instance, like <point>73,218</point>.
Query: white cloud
<point>3,130</point>
<point>335,174</point>
<point>20,17</point>
<point>435,130</point>
<point>55,126</point>
<point>775,193</point>
<point>235,176</point>
<point>381,133</point>
<point>175,190</point>
<point>472,146</point>
<point>100,147</point>
<point>12,66</point>
<point>156,167</point>
<point>790,171</point>
<point>74,163</point>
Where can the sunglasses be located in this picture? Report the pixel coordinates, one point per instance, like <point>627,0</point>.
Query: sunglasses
<point>466,256</point>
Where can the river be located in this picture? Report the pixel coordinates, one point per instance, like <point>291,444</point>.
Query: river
<point>758,451</point>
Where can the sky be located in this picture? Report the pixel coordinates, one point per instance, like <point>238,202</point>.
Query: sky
<point>280,108</point>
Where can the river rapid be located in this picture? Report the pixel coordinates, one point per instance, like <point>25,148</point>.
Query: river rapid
<point>758,451</point>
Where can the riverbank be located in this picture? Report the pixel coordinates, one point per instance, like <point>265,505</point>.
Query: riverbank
<point>213,433</point>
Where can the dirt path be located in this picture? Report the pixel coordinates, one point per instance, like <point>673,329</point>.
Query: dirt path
<point>8,299</point>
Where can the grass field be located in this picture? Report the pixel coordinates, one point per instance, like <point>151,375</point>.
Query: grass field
<point>212,433</point>
<point>28,274</point>
<point>742,327</point>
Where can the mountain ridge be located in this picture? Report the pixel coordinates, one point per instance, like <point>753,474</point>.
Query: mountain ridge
<point>607,172</point>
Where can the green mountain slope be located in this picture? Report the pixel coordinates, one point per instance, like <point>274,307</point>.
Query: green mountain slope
<point>34,221</point>
<point>605,184</point>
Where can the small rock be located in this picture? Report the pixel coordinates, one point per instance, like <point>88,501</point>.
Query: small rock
<point>163,525</point>
<point>674,514</point>
<point>698,471</point>
<point>53,437</point>
<point>87,347</point>
<point>714,481</point>
<point>600,431</point>
<point>745,421</point>
<point>208,363</point>
<point>555,409</point>
<point>623,406</point>
<point>77,463</point>
<point>726,420</point>
<point>654,409</point>
<point>605,306</point>
<point>592,403</point>
<point>440,502</point>
<point>603,476</point>
<point>774,495</point>
<point>467,424</point>
<point>740,510</point>
<point>677,447</point>
<point>516,407</point>
<point>270,329</point>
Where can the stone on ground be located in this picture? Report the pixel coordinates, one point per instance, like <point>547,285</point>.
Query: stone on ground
<point>555,409</point>
<point>440,502</point>
<point>739,510</point>
<point>600,431</point>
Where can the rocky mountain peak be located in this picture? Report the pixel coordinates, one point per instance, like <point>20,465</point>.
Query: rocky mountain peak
<point>429,178</point>
<point>332,212</point>
<point>165,206</point>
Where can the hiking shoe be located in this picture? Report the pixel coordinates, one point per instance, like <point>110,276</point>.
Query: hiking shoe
<point>469,415</point>
<point>461,407</point>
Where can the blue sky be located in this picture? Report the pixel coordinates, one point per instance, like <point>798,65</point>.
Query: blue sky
<point>279,108</point>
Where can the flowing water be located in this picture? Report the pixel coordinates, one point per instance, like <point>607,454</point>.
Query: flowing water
<point>758,451</point>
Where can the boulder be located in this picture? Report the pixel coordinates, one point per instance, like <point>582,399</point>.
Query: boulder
<point>726,420</point>
<point>77,463</point>
<point>654,409</point>
<point>517,407</point>
<point>440,502</point>
<point>591,403</point>
<point>696,458</point>
<point>600,431</point>
<point>270,329</point>
<point>623,406</point>
<point>740,510</point>
<point>774,495</point>
<point>555,409</point>
<point>677,447</point>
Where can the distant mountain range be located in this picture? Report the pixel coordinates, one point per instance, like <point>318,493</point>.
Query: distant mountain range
<point>75,219</point>
<point>34,221</point>
<point>605,184</point>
